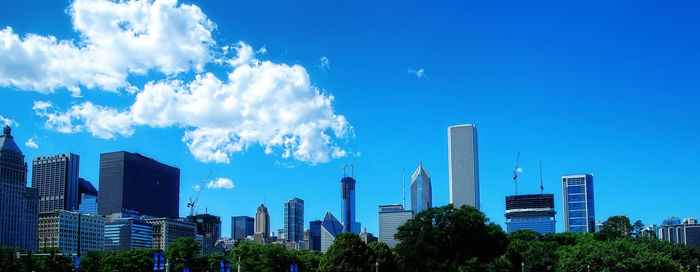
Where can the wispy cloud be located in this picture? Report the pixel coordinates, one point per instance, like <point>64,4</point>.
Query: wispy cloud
<point>420,73</point>
<point>220,183</point>
<point>31,144</point>
<point>262,50</point>
<point>325,64</point>
<point>8,122</point>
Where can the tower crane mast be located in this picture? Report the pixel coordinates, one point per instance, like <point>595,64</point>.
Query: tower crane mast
<point>192,204</point>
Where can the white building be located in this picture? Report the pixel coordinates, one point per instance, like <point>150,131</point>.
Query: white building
<point>391,217</point>
<point>330,228</point>
<point>464,165</point>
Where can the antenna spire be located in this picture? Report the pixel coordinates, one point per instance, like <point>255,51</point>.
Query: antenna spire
<point>404,188</point>
<point>515,173</point>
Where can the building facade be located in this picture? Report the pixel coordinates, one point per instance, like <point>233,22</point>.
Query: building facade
<point>579,208</point>
<point>421,190</point>
<point>463,159</point>
<point>330,228</point>
<point>70,231</point>
<point>126,233</point>
<point>167,230</point>
<point>686,233</point>
<point>132,182</point>
<point>367,237</point>
<point>262,225</point>
<point>294,220</point>
<point>531,212</point>
<point>56,179</point>
<point>391,217</point>
<point>209,227</point>
<point>315,235</point>
<point>18,204</point>
<point>347,205</point>
<point>87,197</point>
<point>242,227</point>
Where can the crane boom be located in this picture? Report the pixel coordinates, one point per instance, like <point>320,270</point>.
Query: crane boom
<point>193,204</point>
<point>541,183</point>
<point>515,173</point>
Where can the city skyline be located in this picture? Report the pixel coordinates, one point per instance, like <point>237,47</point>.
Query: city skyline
<point>527,84</point>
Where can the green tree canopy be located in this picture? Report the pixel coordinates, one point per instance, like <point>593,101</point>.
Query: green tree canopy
<point>184,253</point>
<point>382,255</point>
<point>347,253</point>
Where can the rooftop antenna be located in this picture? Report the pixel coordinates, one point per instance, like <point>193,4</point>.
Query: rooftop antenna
<point>541,183</point>
<point>404,188</point>
<point>352,170</point>
<point>515,173</point>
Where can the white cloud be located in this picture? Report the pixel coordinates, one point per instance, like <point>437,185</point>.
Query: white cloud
<point>325,63</point>
<point>8,122</point>
<point>100,121</point>
<point>519,170</point>
<point>420,73</point>
<point>220,183</point>
<point>262,50</point>
<point>31,144</point>
<point>116,39</point>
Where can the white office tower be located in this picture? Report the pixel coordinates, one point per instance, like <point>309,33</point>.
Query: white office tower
<point>464,165</point>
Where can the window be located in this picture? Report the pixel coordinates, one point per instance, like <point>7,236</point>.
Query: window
<point>575,190</point>
<point>577,206</point>
<point>576,198</point>
<point>573,214</point>
<point>579,221</point>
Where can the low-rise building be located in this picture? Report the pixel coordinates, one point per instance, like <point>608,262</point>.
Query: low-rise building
<point>166,231</point>
<point>71,232</point>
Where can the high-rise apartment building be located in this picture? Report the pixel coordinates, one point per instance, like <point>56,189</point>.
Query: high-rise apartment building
<point>530,212</point>
<point>130,182</point>
<point>18,204</point>
<point>167,230</point>
<point>347,205</point>
<point>242,227</point>
<point>71,232</point>
<point>463,159</point>
<point>391,217</point>
<point>56,179</point>
<point>262,225</point>
<point>209,227</point>
<point>330,228</point>
<point>315,235</point>
<point>421,190</point>
<point>294,220</point>
<point>579,209</point>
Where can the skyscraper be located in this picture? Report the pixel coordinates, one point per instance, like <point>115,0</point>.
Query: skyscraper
<point>579,211</point>
<point>330,228</point>
<point>56,178</point>
<point>131,182</point>
<point>347,205</point>
<point>315,239</point>
<point>262,225</point>
<point>294,220</point>
<point>209,227</point>
<point>464,165</point>
<point>391,217</point>
<point>242,227</point>
<point>530,212</point>
<point>421,190</point>
<point>18,204</point>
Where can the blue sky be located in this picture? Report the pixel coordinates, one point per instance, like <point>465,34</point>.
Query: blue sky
<point>609,88</point>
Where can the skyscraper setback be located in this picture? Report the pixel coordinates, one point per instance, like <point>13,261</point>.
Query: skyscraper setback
<point>579,209</point>
<point>262,225</point>
<point>463,159</point>
<point>347,205</point>
<point>56,179</point>
<point>421,190</point>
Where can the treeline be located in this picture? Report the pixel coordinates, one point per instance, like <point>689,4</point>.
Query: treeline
<point>438,239</point>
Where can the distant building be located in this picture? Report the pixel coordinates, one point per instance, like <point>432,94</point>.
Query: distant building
<point>132,182</point>
<point>687,233</point>
<point>19,205</point>
<point>167,230</point>
<point>262,225</point>
<point>242,227</point>
<point>281,235</point>
<point>391,217</point>
<point>126,233</point>
<point>315,232</point>
<point>294,220</point>
<point>671,221</point>
<point>367,237</point>
<point>209,227</point>
<point>56,178</point>
<point>330,228</point>
<point>579,211</point>
<point>71,232</point>
<point>530,212</point>
<point>347,205</point>
<point>421,190</point>
<point>463,159</point>
<point>87,197</point>
<point>307,239</point>
<point>226,243</point>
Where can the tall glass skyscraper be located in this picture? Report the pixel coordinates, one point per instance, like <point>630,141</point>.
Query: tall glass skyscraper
<point>315,239</point>
<point>421,190</point>
<point>347,205</point>
<point>242,227</point>
<point>464,165</point>
<point>294,220</point>
<point>530,212</point>
<point>579,211</point>
<point>56,178</point>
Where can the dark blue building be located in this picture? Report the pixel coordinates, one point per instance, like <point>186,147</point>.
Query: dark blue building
<point>130,182</point>
<point>242,227</point>
<point>530,212</point>
<point>579,208</point>
<point>347,205</point>
<point>315,241</point>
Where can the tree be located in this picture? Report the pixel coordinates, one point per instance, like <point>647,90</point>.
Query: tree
<point>265,258</point>
<point>184,253</point>
<point>382,255</point>
<point>309,260</point>
<point>530,247</point>
<point>347,253</point>
<point>617,226</point>
<point>139,259</point>
<point>445,238</point>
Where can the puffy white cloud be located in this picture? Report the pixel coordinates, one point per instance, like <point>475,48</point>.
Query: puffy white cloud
<point>8,122</point>
<point>31,144</point>
<point>116,39</point>
<point>220,183</point>
<point>420,73</point>
<point>100,121</point>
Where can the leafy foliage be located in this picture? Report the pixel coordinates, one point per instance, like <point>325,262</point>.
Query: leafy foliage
<point>347,253</point>
<point>383,257</point>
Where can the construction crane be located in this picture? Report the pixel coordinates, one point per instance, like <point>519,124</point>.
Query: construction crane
<point>515,173</point>
<point>541,183</point>
<point>193,204</point>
